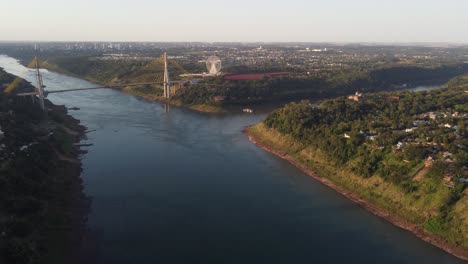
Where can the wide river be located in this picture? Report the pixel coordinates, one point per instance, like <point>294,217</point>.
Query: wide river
<point>187,187</point>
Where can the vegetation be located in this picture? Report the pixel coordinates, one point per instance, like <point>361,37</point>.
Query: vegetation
<point>42,207</point>
<point>404,151</point>
<point>317,84</point>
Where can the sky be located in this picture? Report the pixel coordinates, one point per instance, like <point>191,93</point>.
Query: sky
<point>387,21</point>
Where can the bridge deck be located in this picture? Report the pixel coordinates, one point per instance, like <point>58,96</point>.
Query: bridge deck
<point>115,86</point>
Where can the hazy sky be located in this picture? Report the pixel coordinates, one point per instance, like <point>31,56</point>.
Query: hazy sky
<point>236,20</point>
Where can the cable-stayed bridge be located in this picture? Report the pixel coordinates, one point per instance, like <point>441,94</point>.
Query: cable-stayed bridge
<point>159,79</point>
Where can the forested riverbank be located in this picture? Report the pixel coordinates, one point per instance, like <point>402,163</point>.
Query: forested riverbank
<point>401,153</point>
<point>42,206</point>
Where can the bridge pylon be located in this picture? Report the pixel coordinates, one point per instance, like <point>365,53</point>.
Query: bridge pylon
<point>39,87</point>
<point>166,84</point>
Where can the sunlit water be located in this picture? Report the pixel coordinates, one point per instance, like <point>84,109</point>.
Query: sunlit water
<point>185,187</point>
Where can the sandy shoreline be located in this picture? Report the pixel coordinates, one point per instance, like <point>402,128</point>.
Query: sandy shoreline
<point>394,219</point>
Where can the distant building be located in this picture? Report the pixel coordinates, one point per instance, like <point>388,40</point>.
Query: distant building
<point>448,180</point>
<point>393,97</point>
<point>446,154</point>
<point>219,98</point>
<point>429,161</point>
<point>356,97</point>
<point>400,145</point>
<point>433,116</point>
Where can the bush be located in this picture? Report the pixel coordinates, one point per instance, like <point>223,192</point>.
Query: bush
<point>436,225</point>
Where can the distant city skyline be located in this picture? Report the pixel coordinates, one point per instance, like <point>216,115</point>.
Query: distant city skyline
<point>334,21</point>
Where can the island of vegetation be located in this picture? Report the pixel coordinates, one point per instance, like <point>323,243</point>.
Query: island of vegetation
<point>402,155</point>
<point>42,205</point>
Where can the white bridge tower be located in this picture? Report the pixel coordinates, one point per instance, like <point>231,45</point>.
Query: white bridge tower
<point>40,87</point>
<point>166,84</point>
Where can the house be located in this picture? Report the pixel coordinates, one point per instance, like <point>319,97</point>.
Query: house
<point>433,116</point>
<point>447,125</point>
<point>448,180</point>
<point>400,145</point>
<point>219,98</point>
<point>446,154</point>
<point>346,135</point>
<point>429,161</point>
<point>393,97</point>
<point>356,97</point>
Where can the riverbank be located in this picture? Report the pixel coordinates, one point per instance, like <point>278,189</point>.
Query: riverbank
<point>287,148</point>
<point>148,94</point>
<point>70,233</point>
<point>204,108</point>
<point>43,208</point>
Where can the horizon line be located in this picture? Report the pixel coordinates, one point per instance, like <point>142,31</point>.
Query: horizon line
<point>246,42</point>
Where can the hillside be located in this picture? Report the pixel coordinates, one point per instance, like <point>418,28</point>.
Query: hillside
<point>42,205</point>
<point>404,152</point>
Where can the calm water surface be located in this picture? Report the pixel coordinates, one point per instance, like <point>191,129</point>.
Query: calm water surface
<point>185,187</point>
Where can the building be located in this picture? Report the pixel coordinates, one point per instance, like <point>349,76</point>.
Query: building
<point>429,161</point>
<point>448,180</point>
<point>219,98</point>
<point>356,97</point>
<point>433,116</point>
<point>400,145</point>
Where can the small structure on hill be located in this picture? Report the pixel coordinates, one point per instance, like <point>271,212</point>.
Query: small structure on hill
<point>429,161</point>
<point>356,97</point>
<point>219,98</point>
<point>448,180</point>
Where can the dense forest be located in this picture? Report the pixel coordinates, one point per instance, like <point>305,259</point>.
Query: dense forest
<point>414,141</point>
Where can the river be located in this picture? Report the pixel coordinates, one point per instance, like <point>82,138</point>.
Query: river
<point>186,187</point>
